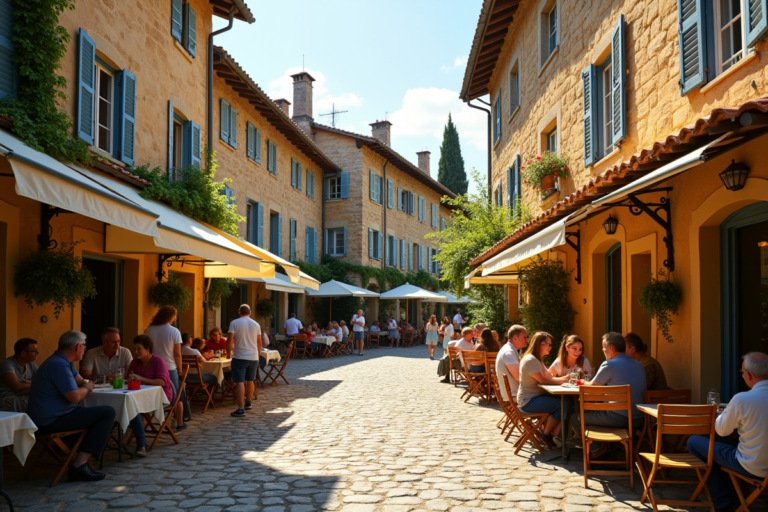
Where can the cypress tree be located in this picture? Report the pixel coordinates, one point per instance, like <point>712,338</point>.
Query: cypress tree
<point>450,171</point>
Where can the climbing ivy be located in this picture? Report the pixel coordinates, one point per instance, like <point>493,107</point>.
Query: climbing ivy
<point>39,45</point>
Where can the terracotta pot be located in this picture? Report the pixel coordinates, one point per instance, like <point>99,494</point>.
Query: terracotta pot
<point>548,182</point>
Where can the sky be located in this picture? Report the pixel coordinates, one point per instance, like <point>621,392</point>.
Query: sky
<point>398,60</point>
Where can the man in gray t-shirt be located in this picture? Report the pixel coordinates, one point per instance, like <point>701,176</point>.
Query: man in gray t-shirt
<point>16,374</point>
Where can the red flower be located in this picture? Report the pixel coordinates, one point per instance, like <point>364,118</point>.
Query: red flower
<point>556,175</point>
<point>552,164</point>
<point>523,167</point>
<point>529,162</point>
<point>538,158</point>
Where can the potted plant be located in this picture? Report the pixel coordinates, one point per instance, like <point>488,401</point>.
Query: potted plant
<point>171,293</point>
<point>540,171</point>
<point>266,309</point>
<point>660,299</point>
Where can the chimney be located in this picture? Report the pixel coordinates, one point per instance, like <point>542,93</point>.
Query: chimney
<point>284,106</point>
<point>424,161</point>
<point>380,130</point>
<point>302,100</point>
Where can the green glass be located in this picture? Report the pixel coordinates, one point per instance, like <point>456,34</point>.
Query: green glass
<point>117,383</point>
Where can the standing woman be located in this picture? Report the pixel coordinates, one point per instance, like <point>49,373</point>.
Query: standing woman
<point>431,337</point>
<point>167,339</point>
<point>571,356</point>
<point>446,330</point>
<point>531,399</point>
<point>394,335</point>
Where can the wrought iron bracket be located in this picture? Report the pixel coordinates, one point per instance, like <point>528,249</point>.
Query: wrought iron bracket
<point>653,209</point>
<point>44,239</point>
<point>576,246</point>
<point>167,260</point>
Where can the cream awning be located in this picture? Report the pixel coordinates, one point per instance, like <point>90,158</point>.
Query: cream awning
<point>279,283</point>
<point>510,259</point>
<point>335,289</point>
<point>501,278</point>
<point>412,292</point>
<point>43,178</point>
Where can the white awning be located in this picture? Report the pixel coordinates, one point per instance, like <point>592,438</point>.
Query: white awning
<point>452,299</point>
<point>411,292</point>
<point>334,289</point>
<point>552,236</point>
<point>279,283</point>
<point>43,178</point>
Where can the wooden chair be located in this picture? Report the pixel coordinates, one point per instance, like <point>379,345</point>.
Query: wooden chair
<point>684,420</point>
<point>529,425</point>
<point>373,340</point>
<point>54,446</point>
<point>457,376</point>
<point>278,368</point>
<point>407,338</point>
<point>196,383</point>
<point>301,346</point>
<point>607,398</point>
<point>667,396</point>
<point>490,371</point>
<point>165,426</point>
<point>477,380</point>
<point>759,486</point>
<point>342,348</point>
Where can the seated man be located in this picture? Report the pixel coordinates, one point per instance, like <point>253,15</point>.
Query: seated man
<point>618,370</point>
<point>107,358</point>
<point>747,414</point>
<point>463,343</point>
<point>16,374</point>
<point>54,398</point>
<point>187,349</point>
<point>293,325</point>
<point>336,332</point>
<point>508,362</point>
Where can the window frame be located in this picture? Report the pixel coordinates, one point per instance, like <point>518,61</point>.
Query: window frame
<point>333,236</point>
<point>497,117</point>
<point>553,22</point>
<point>717,31</point>
<point>331,186</point>
<point>513,86</point>
<point>112,106</point>
<point>604,102</point>
<point>552,140</point>
<point>549,15</point>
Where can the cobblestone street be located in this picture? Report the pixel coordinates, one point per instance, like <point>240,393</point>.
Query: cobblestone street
<point>357,434</point>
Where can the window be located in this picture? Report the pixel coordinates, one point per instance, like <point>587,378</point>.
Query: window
<point>552,28</point>
<point>729,45</point>
<point>228,123</point>
<point>177,149</point>
<point>276,234</point>
<point>434,215</point>
<point>310,242</point>
<point>183,143</point>
<point>253,142</point>
<point>337,241</point>
<point>552,140</point>
<point>334,188</point>
<point>272,157</point>
<point>374,187</point>
<point>390,194</point>
<point>513,184</point>
<point>103,108</point>
<point>497,196</point>
<point>8,73</point>
<point>443,223</point>
<point>254,231</point>
<point>406,201</point>
<point>229,193</point>
<point>292,239</point>
<point>549,28</point>
<point>392,250</point>
<point>295,174</point>
<point>497,118</point>
<point>514,88</point>
<point>403,253</point>
<point>374,244</point>
<point>310,184</point>
<point>184,25</point>
<point>606,123</point>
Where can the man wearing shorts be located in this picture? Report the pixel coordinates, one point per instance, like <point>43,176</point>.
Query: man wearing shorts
<point>244,343</point>
<point>358,329</point>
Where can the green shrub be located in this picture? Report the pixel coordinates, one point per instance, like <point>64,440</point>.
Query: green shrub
<point>171,293</point>
<point>220,288</point>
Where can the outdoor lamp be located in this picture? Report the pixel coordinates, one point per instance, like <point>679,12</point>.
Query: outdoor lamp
<point>610,225</point>
<point>735,176</point>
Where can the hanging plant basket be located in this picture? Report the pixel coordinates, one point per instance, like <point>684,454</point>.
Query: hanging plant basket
<point>171,293</point>
<point>54,276</point>
<point>660,299</point>
<point>540,171</point>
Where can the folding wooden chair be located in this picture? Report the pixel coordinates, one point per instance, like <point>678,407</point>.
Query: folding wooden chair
<point>457,376</point>
<point>54,446</point>
<point>490,372</point>
<point>684,420</point>
<point>407,339</point>
<point>301,346</point>
<point>667,396</point>
<point>607,398</point>
<point>342,348</point>
<point>759,486</point>
<point>477,380</point>
<point>279,368</point>
<point>195,383</point>
<point>529,425</point>
<point>165,426</point>
<point>373,341</point>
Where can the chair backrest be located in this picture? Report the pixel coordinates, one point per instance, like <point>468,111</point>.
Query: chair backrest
<point>606,398</point>
<point>686,420</point>
<point>194,364</point>
<point>300,337</point>
<point>407,335</point>
<point>288,353</point>
<point>374,336</point>
<point>667,396</point>
<point>454,352</point>
<point>182,380</point>
<point>473,358</point>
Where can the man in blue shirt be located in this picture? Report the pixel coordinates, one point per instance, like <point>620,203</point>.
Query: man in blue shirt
<point>54,399</point>
<point>618,369</point>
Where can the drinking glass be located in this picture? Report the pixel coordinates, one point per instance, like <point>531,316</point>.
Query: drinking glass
<point>713,397</point>
<point>573,378</point>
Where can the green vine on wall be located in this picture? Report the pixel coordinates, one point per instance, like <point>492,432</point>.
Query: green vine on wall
<point>39,45</point>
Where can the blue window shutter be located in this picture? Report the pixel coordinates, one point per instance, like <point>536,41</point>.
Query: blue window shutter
<point>403,254</point>
<point>170,140</point>
<point>176,17</point>
<point>224,121</point>
<point>232,127</point>
<point>194,147</point>
<point>308,185</point>
<point>380,247</point>
<point>292,234</point>
<point>755,20</point>
<point>191,31</point>
<point>280,234</point>
<point>395,250</point>
<point>128,117</point>
<point>260,224</point>
<point>326,249</point>
<point>510,188</point>
<point>399,198</point>
<point>692,44</point>
<point>298,176</point>
<point>518,190</point>
<point>371,186</point>
<point>307,246</point>
<point>589,117</point>
<point>8,72</point>
<point>619,82</point>
<point>250,140</point>
<point>344,185</point>
<point>390,190</point>
<point>86,74</point>
<point>314,245</point>
<point>293,173</point>
<point>345,242</point>
<point>370,243</point>
<point>386,250</point>
<point>257,146</point>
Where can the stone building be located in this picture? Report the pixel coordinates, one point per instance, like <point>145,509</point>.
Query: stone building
<point>649,134</point>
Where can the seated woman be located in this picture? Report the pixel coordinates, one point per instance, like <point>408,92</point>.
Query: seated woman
<point>344,331</point>
<point>375,326</point>
<point>486,344</point>
<point>531,398</point>
<point>188,350</point>
<point>215,343</point>
<point>654,373</point>
<point>572,354</point>
<point>150,370</point>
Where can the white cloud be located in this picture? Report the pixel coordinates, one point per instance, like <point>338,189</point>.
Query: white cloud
<point>458,62</point>
<point>323,99</point>
<point>425,112</point>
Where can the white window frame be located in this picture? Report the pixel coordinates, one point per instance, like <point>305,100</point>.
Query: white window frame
<point>110,109</point>
<point>718,30</point>
<point>334,188</point>
<point>607,111</point>
<point>513,87</point>
<point>546,50</point>
<point>552,139</point>
<point>335,234</point>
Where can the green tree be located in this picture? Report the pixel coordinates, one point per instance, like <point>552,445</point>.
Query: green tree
<point>450,171</point>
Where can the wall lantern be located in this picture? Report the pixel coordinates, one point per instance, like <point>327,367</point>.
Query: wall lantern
<point>735,176</point>
<point>610,225</point>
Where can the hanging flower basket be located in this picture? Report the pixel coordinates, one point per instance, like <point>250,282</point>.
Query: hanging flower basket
<point>540,171</point>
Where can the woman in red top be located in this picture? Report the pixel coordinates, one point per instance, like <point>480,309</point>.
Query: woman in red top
<point>216,342</point>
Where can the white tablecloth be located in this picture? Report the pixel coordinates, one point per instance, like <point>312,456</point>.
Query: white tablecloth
<point>18,430</point>
<point>217,368</point>
<point>128,403</point>
<point>272,356</point>
<point>324,340</point>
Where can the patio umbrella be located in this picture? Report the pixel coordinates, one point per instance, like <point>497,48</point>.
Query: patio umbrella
<point>334,288</point>
<point>452,299</point>
<point>408,291</point>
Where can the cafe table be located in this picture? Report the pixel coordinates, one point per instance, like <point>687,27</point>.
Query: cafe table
<point>271,356</point>
<point>562,390</point>
<point>324,340</point>
<point>216,367</point>
<point>18,430</point>
<point>652,411</point>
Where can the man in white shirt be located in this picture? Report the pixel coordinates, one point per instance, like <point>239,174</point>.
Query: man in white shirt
<point>244,343</point>
<point>458,320</point>
<point>108,358</point>
<point>358,330</point>
<point>747,413</point>
<point>463,343</point>
<point>292,325</point>
<point>508,362</point>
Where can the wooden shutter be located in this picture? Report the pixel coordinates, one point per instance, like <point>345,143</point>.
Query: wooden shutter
<point>619,82</point>
<point>298,176</point>
<point>756,22</point>
<point>387,242</point>
<point>128,117</point>
<point>692,44</point>
<point>293,173</point>
<point>390,191</point>
<point>395,250</point>
<point>314,245</point>
<point>310,184</point>
<point>371,181</point>
<point>403,254</point>
<point>191,40</point>
<point>292,234</point>
<point>326,188</point>
<point>224,121</point>
<point>280,234</point>
<point>307,246</point>
<point>370,243</point>
<point>260,224</point>
<point>170,140</point>
<point>250,140</point>
<point>327,249</point>
<point>176,16</point>
<point>195,148</point>
<point>8,73</point>
<point>518,189</point>
<point>86,75</point>
<point>589,116</point>
<point>344,185</point>
<point>400,199</point>
<point>257,146</point>
<point>344,234</point>
<point>380,247</point>
<point>232,127</point>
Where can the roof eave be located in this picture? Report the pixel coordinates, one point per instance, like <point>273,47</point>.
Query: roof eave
<point>475,49</point>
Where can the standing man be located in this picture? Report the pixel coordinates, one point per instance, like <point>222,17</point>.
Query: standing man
<point>292,326</point>
<point>358,330</point>
<point>16,374</point>
<point>508,361</point>
<point>244,343</point>
<point>747,414</point>
<point>458,321</point>
<point>107,358</point>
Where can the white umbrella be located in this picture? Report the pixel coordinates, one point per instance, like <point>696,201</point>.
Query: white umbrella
<point>333,289</point>
<point>408,291</point>
<point>452,299</point>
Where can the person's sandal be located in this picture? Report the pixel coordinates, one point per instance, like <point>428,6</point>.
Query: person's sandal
<point>141,452</point>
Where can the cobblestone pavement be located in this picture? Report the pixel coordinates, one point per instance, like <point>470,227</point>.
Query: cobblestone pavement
<point>353,434</point>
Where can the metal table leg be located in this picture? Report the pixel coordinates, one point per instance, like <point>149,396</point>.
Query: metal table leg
<point>563,429</point>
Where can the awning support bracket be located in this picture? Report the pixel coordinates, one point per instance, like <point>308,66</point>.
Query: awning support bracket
<point>167,260</point>
<point>638,207</point>
<point>576,246</point>
<point>44,239</point>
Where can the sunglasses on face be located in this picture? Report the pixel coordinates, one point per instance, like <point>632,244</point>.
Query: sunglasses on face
<point>546,343</point>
